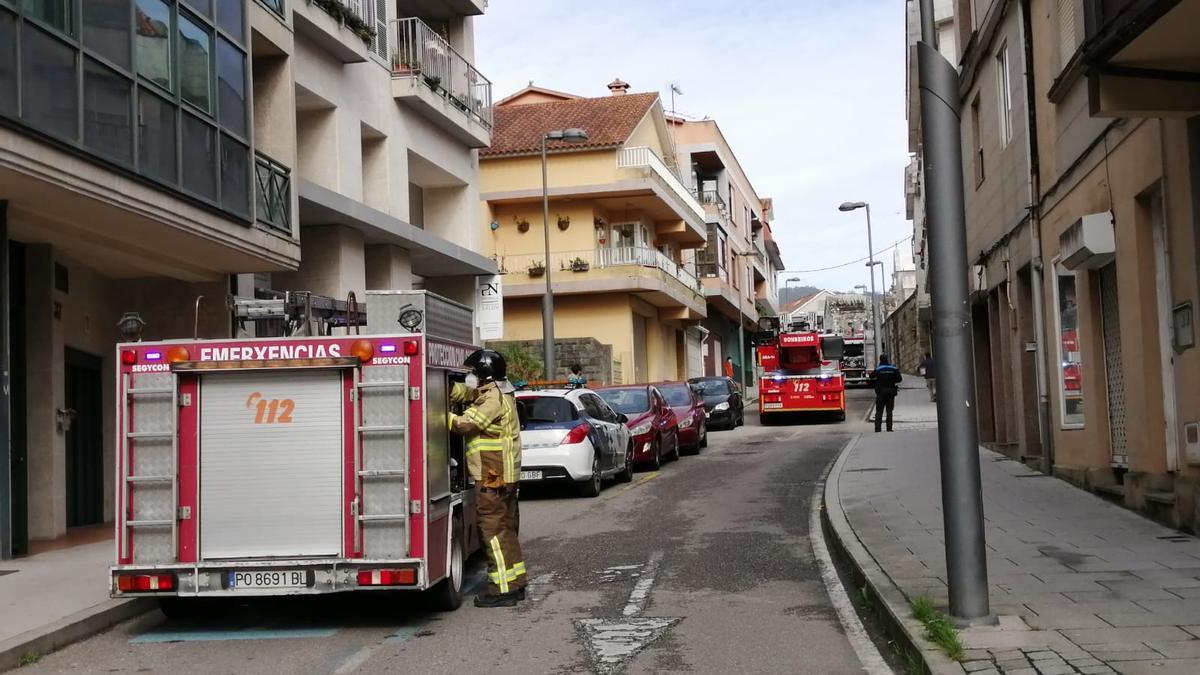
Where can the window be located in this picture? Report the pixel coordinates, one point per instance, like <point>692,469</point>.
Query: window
<point>231,17</point>
<point>195,48</point>
<point>231,87</point>
<point>199,157</point>
<point>153,41</point>
<point>51,97</point>
<point>1070,364</point>
<point>107,112</point>
<point>977,155</point>
<point>106,29</point>
<point>203,7</point>
<point>156,136</point>
<point>235,176</point>
<point>1004,98</point>
<point>1068,32</point>
<point>8,63</point>
<point>58,13</point>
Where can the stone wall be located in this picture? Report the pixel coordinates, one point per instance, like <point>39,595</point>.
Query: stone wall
<point>595,357</point>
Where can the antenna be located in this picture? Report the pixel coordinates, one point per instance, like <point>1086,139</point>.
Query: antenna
<point>675,89</point>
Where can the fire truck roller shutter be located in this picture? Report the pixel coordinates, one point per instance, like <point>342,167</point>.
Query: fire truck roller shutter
<point>270,464</point>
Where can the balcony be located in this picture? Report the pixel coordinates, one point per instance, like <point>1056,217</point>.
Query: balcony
<point>645,271</point>
<point>276,6</point>
<point>442,9</point>
<point>715,209</point>
<point>432,78</point>
<point>273,194</point>
<point>336,26</point>
<point>642,159</point>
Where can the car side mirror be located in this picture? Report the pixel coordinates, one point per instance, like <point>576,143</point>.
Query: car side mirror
<point>622,418</point>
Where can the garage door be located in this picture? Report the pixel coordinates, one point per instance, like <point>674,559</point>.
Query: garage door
<point>270,464</point>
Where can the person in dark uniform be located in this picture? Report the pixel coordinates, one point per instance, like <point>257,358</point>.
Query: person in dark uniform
<point>887,384</point>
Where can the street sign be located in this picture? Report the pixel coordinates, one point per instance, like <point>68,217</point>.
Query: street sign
<point>489,307</point>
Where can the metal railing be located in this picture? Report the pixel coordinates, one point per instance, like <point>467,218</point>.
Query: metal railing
<point>584,261</point>
<point>709,198</point>
<point>273,193</point>
<point>642,157</point>
<point>275,6</point>
<point>418,52</point>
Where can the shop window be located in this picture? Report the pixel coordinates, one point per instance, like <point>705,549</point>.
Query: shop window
<point>8,63</point>
<point>156,137</point>
<point>51,94</point>
<point>195,50</point>
<point>235,176</point>
<point>153,25</point>
<point>199,157</point>
<point>231,87</point>
<point>107,112</point>
<point>1070,371</point>
<point>106,29</point>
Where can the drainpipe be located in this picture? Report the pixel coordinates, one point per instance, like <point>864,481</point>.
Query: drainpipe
<point>1035,237</point>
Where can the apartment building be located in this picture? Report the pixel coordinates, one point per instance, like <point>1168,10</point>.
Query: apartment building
<point>156,151</point>
<point>621,222</point>
<point>740,262</point>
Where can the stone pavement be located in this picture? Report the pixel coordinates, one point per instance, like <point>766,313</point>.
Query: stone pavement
<point>1079,585</point>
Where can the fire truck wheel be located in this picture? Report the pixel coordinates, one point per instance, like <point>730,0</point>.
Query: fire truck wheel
<point>591,486</point>
<point>626,474</point>
<point>841,416</point>
<point>447,596</point>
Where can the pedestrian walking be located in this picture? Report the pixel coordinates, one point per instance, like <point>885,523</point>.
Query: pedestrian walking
<point>729,367</point>
<point>493,437</point>
<point>887,384</point>
<point>929,370</point>
<point>576,380</point>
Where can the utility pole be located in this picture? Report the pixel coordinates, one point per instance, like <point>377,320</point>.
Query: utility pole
<point>958,443</point>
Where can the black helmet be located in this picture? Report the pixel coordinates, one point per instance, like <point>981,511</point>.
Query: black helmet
<point>487,364</point>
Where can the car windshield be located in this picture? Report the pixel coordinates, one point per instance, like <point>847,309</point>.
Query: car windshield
<point>677,395</point>
<point>712,387</point>
<point>547,409</point>
<point>853,349</point>
<point>627,401</point>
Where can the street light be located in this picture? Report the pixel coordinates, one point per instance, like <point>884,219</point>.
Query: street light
<point>853,206</point>
<point>572,135</point>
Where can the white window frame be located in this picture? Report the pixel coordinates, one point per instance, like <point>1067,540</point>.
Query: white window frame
<point>1004,94</point>
<point>1055,268</point>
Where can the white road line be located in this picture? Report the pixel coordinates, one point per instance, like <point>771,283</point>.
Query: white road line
<point>641,590</point>
<point>864,647</point>
<point>356,659</point>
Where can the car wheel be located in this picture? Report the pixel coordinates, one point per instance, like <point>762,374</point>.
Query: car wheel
<point>741,420</point>
<point>447,596</point>
<point>591,486</point>
<point>674,456</point>
<point>626,474</point>
<point>656,455</point>
<point>703,438</point>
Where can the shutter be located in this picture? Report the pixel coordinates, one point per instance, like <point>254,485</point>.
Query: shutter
<point>1068,36</point>
<point>380,45</point>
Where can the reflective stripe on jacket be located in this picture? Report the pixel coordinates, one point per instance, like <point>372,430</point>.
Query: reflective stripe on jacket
<point>493,434</point>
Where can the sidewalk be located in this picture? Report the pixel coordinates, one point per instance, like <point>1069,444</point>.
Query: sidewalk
<point>52,599</point>
<point>1078,585</point>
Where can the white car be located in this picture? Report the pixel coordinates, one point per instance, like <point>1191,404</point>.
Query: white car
<point>573,435</point>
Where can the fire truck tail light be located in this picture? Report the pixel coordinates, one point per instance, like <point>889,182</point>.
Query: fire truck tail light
<point>398,577</point>
<point>577,434</point>
<point>144,583</point>
<point>363,349</point>
<point>178,354</point>
<point>387,349</point>
<point>411,349</point>
<point>128,357</point>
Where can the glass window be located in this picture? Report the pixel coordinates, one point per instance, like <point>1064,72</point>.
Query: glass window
<point>153,21</point>
<point>1069,353</point>
<point>8,64</point>
<point>677,395</point>
<point>51,94</point>
<point>107,112</point>
<point>202,7</point>
<point>156,137</point>
<point>231,87</point>
<point>199,157</point>
<point>231,17</point>
<point>628,401</point>
<point>57,13</point>
<point>235,176</point>
<point>106,29</point>
<point>195,49</point>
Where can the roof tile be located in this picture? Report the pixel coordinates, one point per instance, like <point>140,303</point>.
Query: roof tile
<point>608,120</point>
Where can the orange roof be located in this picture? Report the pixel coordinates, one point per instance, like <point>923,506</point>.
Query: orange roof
<point>608,120</point>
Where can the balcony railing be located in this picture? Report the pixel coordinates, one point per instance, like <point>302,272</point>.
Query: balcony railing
<point>584,261</point>
<point>275,6</point>
<point>642,157</point>
<point>273,193</point>
<point>418,52</point>
<point>709,198</point>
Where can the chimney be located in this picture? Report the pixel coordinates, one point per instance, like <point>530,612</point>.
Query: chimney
<point>618,87</point>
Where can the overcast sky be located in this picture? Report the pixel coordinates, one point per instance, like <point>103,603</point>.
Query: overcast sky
<point>810,94</point>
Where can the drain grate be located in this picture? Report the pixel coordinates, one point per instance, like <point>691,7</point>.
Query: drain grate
<point>1173,538</point>
<point>869,468</point>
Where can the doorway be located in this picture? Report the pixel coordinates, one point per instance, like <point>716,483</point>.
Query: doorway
<point>1110,320</point>
<point>19,462</point>
<point>83,424</point>
<point>639,348</point>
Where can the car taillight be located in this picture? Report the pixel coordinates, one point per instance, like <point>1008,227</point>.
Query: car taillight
<point>577,434</point>
<point>399,577</point>
<point>137,583</point>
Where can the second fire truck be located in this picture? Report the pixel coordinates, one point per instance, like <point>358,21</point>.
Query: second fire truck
<point>800,372</point>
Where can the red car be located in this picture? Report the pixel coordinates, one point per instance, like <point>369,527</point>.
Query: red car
<point>689,414</point>
<point>652,422</point>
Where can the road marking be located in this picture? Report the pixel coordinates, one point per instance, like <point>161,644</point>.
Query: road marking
<point>860,641</point>
<point>217,635</point>
<point>637,483</point>
<point>356,659</point>
<point>611,642</point>
<point>641,590</point>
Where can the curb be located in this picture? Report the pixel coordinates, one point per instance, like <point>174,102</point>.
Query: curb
<point>78,626</point>
<point>892,604</point>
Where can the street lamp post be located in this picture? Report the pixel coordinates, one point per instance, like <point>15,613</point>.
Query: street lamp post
<point>569,136</point>
<point>880,342</point>
<point>853,206</point>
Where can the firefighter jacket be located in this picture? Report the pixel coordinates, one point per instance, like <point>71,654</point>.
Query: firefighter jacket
<point>493,434</point>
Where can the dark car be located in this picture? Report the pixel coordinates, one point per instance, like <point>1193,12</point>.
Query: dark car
<point>722,401</point>
<point>651,422</point>
<point>689,413</point>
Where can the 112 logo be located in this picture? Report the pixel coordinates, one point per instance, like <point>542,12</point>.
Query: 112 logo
<point>270,411</point>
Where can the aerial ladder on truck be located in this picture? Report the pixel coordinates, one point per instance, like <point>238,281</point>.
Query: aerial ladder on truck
<point>801,371</point>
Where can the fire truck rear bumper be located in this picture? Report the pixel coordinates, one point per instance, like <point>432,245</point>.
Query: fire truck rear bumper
<point>298,577</point>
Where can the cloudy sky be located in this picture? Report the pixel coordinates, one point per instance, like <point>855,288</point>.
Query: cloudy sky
<point>810,94</point>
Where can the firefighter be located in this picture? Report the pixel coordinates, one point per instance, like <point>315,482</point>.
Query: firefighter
<point>492,432</point>
<point>887,384</point>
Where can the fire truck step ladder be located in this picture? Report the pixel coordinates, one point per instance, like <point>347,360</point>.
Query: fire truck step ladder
<point>129,486</point>
<point>385,476</point>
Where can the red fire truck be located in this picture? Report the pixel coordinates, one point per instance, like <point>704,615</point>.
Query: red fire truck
<point>854,360</point>
<point>290,465</point>
<point>800,374</point>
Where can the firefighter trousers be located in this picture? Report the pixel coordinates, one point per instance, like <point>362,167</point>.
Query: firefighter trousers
<point>497,509</point>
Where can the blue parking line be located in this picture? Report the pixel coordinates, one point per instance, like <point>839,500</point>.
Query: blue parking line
<point>218,635</point>
<point>471,587</point>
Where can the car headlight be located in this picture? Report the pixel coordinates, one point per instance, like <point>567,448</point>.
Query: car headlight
<point>686,423</point>
<point>643,428</point>
<point>721,406</point>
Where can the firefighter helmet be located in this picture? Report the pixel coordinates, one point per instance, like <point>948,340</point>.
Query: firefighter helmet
<point>487,364</point>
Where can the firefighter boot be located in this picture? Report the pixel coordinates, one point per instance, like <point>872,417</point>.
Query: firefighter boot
<point>488,600</point>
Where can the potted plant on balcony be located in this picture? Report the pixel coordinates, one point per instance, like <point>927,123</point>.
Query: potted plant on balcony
<point>537,268</point>
<point>403,64</point>
<point>580,265</point>
<point>433,81</point>
<point>460,102</point>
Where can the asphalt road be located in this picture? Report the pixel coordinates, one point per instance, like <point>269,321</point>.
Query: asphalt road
<point>703,567</point>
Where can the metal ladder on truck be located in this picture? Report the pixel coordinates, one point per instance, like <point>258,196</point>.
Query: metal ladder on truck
<point>150,466</point>
<point>295,313</point>
<point>382,506</point>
